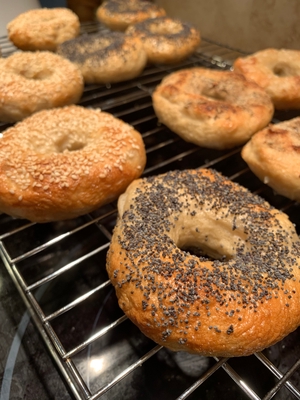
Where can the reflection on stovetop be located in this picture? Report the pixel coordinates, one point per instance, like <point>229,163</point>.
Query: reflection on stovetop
<point>26,370</point>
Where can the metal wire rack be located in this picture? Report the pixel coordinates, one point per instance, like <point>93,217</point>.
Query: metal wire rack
<point>59,271</point>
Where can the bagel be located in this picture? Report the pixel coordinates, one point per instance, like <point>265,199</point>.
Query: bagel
<point>105,57</point>
<point>166,40</point>
<point>43,28</point>
<point>212,108</point>
<point>273,155</point>
<point>61,163</point>
<point>32,81</point>
<point>277,71</point>
<point>118,14</point>
<point>239,296</point>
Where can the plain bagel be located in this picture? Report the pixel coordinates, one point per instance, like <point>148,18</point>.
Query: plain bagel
<point>277,71</point>
<point>239,296</point>
<point>212,108</point>
<point>273,155</point>
<point>65,162</point>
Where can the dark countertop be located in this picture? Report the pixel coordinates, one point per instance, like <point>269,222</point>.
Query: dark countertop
<point>26,368</point>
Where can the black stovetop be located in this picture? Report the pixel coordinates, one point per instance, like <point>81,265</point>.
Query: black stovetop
<point>26,369</point>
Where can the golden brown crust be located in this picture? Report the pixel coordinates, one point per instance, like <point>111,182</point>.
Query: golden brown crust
<point>212,108</point>
<point>166,40</point>
<point>61,163</point>
<point>106,57</point>
<point>277,71</point>
<point>33,81</point>
<point>118,14</point>
<point>43,29</point>
<point>273,154</point>
<point>242,300</point>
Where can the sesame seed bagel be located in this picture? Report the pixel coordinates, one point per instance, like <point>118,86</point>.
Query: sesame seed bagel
<point>119,14</point>
<point>43,28</point>
<point>241,293</point>
<point>277,71</point>
<point>166,40</point>
<point>65,162</point>
<point>273,155</point>
<point>33,81</point>
<point>105,57</point>
<point>212,108</point>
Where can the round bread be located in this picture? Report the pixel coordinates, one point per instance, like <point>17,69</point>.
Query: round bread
<point>119,14</point>
<point>166,40</point>
<point>65,162</point>
<point>273,155</point>
<point>32,81</point>
<point>212,108</point>
<point>277,71</point>
<point>43,29</point>
<point>106,57</point>
<point>239,296</point>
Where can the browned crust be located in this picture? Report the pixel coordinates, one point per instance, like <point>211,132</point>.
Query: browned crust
<point>118,14</point>
<point>61,163</point>
<point>238,304</point>
<point>212,108</point>
<point>33,81</point>
<point>273,154</point>
<point>277,71</point>
<point>166,40</point>
<point>43,29</point>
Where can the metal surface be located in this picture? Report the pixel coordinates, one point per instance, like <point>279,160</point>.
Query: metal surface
<point>99,353</point>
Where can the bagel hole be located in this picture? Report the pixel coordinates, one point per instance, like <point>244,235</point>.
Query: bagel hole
<point>205,252</point>
<point>216,245</point>
<point>283,70</point>
<point>170,29</point>
<point>65,144</point>
<point>97,45</point>
<point>214,94</point>
<point>34,74</point>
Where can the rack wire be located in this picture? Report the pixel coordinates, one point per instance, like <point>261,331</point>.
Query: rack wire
<point>59,271</point>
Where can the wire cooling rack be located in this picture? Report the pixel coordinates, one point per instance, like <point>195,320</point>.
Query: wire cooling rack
<point>59,271</point>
